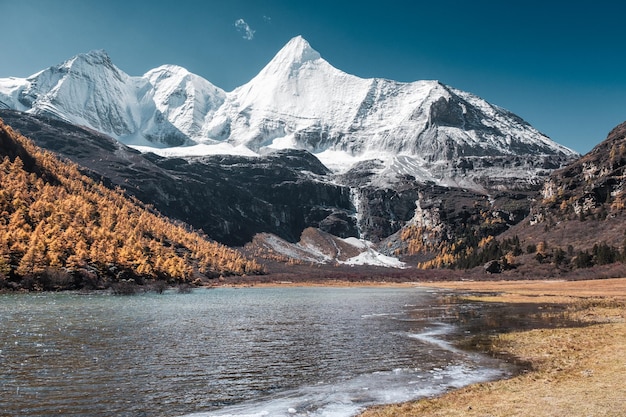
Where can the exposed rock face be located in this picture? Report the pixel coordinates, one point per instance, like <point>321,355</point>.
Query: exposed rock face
<point>493,267</point>
<point>597,180</point>
<point>445,211</point>
<point>584,203</point>
<point>280,193</point>
<point>384,211</point>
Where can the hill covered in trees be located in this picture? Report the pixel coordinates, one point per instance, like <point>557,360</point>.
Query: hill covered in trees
<point>60,229</point>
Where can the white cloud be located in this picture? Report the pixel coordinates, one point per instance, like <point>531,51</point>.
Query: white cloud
<point>245,29</point>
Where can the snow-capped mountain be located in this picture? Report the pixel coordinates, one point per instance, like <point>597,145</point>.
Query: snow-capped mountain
<point>300,100</point>
<point>165,107</point>
<point>185,99</point>
<point>297,101</point>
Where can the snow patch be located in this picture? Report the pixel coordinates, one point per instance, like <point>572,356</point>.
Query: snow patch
<point>202,149</point>
<point>308,250</point>
<point>370,256</point>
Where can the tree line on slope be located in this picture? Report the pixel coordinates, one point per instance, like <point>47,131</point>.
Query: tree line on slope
<point>60,229</point>
<point>478,248</point>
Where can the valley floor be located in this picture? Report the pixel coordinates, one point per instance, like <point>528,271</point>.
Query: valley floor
<point>571,371</point>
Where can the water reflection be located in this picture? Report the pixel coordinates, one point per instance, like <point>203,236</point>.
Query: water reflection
<point>475,322</point>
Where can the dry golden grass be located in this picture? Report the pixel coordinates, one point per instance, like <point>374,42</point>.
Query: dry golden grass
<point>577,371</point>
<point>615,287</point>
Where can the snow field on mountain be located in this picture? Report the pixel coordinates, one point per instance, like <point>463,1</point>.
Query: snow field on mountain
<point>297,101</point>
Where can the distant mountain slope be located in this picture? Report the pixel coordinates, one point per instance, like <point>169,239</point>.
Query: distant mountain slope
<point>61,229</point>
<point>587,198</point>
<point>297,101</point>
<point>578,221</point>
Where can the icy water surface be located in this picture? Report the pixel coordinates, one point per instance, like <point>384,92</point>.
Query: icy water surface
<point>227,352</point>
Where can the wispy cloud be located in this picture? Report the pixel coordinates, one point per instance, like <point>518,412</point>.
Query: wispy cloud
<point>245,29</point>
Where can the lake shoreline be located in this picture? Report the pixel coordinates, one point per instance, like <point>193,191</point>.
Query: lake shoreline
<point>574,370</point>
<point>577,347</point>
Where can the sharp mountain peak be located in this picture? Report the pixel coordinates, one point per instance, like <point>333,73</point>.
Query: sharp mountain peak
<point>298,50</point>
<point>96,57</point>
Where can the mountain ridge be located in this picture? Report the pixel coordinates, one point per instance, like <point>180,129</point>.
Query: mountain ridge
<point>357,158</point>
<point>298,100</point>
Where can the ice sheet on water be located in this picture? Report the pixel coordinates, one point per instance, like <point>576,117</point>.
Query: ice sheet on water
<point>348,397</point>
<point>433,336</point>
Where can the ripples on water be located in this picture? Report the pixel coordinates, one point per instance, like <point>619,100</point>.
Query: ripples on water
<point>253,351</point>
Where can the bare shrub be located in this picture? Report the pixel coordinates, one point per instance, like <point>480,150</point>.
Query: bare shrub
<point>184,289</point>
<point>56,279</point>
<point>159,286</point>
<point>124,287</point>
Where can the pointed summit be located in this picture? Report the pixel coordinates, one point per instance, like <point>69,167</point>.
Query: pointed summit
<point>297,50</point>
<point>297,89</point>
<point>96,57</point>
<point>295,54</point>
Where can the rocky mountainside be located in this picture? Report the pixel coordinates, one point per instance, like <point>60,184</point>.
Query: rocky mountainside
<point>585,202</point>
<point>593,184</point>
<point>230,197</point>
<point>576,222</point>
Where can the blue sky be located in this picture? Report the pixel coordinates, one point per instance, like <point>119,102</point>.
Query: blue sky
<point>560,65</point>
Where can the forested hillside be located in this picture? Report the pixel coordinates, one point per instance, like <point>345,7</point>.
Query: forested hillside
<point>60,229</point>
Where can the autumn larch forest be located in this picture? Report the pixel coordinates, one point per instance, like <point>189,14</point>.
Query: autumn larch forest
<point>60,229</point>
